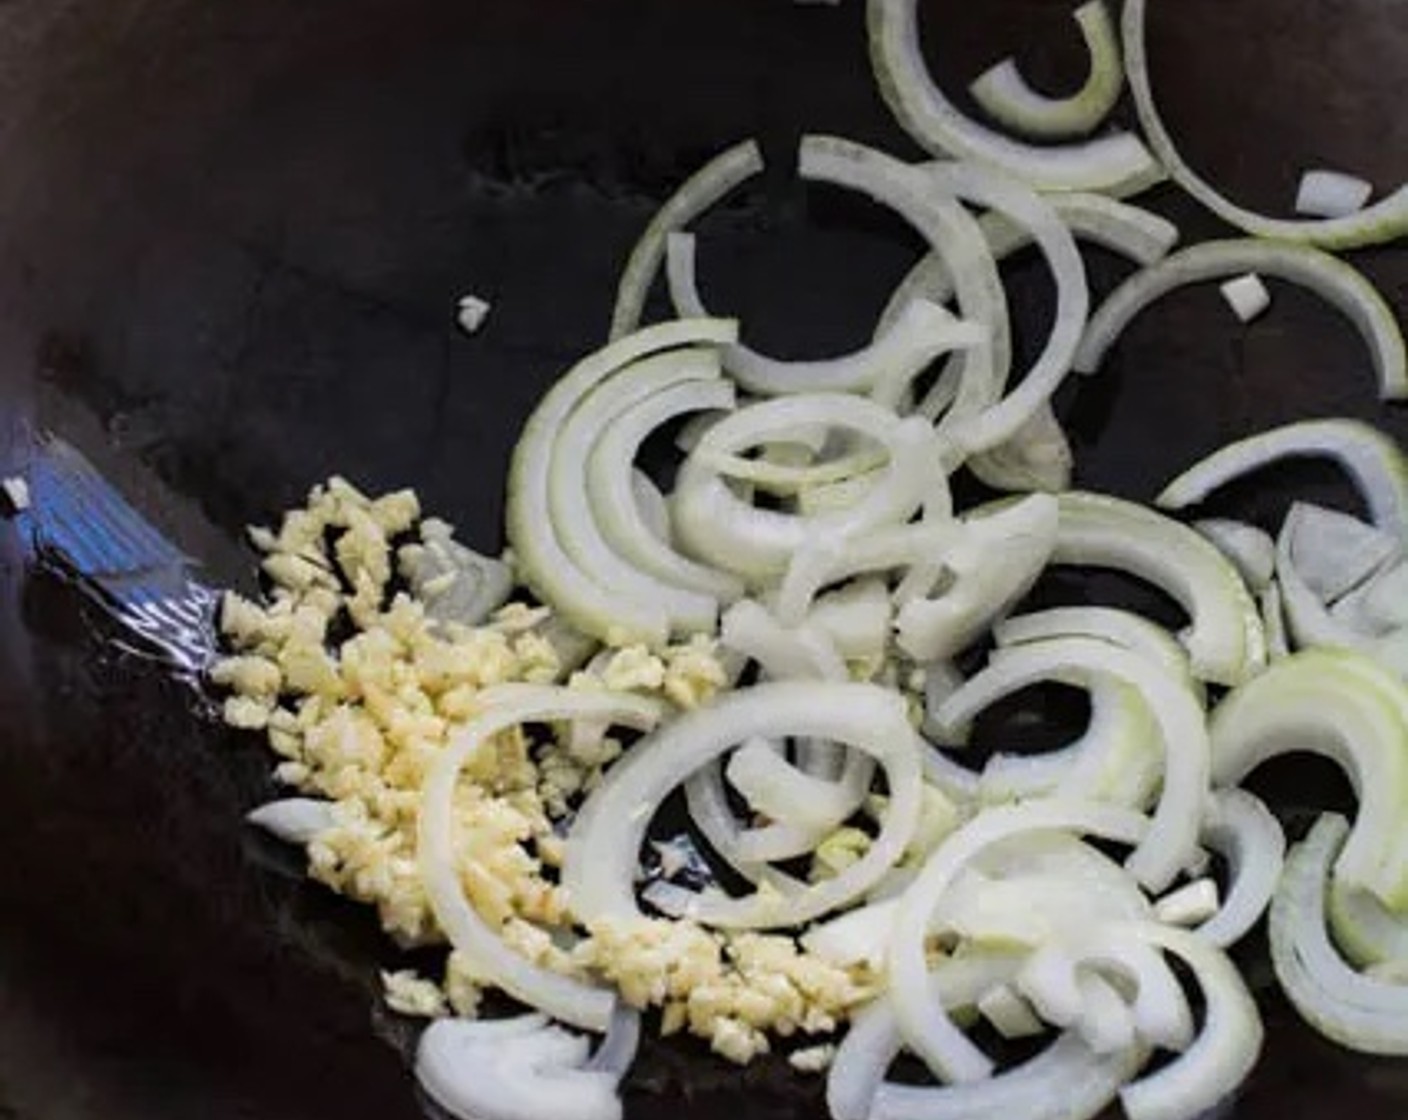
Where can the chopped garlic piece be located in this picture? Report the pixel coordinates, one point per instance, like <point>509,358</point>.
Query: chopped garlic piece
<point>410,994</point>
<point>17,491</point>
<point>814,1059</point>
<point>472,311</point>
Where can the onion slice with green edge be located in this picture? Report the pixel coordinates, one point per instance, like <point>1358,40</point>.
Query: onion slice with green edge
<point>504,706</point>
<point>1037,458</point>
<point>1339,284</point>
<point>998,558</point>
<point>1372,460</point>
<point>1352,1009</point>
<point>1005,95</point>
<point>621,520</point>
<point>1173,831</point>
<point>917,337</point>
<point>1225,642</point>
<point>1343,706</point>
<point>1385,221</point>
<point>1251,549</point>
<point>1366,931</point>
<point>1242,830</point>
<point>605,840</point>
<point>543,563</point>
<point>1117,164</point>
<point>698,193</point>
<point>716,526</point>
<point>1273,622</point>
<point>923,1022</point>
<point>573,513</point>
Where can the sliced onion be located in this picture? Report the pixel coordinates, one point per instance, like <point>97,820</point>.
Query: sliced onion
<point>1308,621</point>
<point>855,617</point>
<point>1004,94</point>
<point>696,195</point>
<point>544,563</point>
<point>1251,550</point>
<point>1338,283</point>
<point>1373,461</point>
<point>1010,1015</point>
<point>1334,552</point>
<point>505,706</point>
<point>1242,830</point>
<point>1189,905</point>
<point>606,837</point>
<point>294,820</point>
<point>716,526</point>
<point>1366,931</point>
<point>1273,622</point>
<point>1225,643</point>
<point>1353,1009</point>
<point>923,1022</point>
<point>774,787</point>
<point>1108,624</point>
<point>1379,606</point>
<point>621,520</point>
<point>1383,222</point>
<point>1172,837</point>
<point>1037,458</point>
<point>651,506</point>
<point>1331,194</point>
<point>1117,164</point>
<point>1342,706</point>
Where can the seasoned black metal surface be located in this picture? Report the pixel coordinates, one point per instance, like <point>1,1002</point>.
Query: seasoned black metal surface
<point>233,237</point>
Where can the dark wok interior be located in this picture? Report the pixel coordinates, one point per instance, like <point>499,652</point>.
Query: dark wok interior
<point>231,240</point>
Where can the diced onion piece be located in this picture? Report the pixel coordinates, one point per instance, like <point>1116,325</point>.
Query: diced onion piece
<point>16,491</point>
<point>1338,283</point>
<point>471,313</point>
<point>605,840</point>
<point>995,563</point>
<point>621,519</point>
<point>923,1022</point>
<point>545,565</point>
<point>505,706</point>
<point>1382,222</point>
<point>1246,295</point>
<point>1343,706</point>
<point>1355,1010</point>
<point>1378,606</point>
<point>921,333</point>
<point>1116,164</point>
<point>1004,94</point>
<point>1172,836</point>
<point>695,195</point>
<point>1190,905</point>
<point>1331,194</point>
<point>1225,642</point>
<point>1371,459</point>
<point>716,526</point>
<point>1242,830</point>
<point>1334,552</point>
<point>294,820</point>
<point>1251,550</point>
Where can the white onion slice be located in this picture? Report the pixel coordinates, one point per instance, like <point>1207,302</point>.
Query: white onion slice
<point>1273,622</point>
<point>1339,284</point>
<point>1353,1009</point>
<point>1383,222</point>
<point>1251,550</point>
<point>1225,642</point>
<point>545,565</point>
<point>1010,1015</point>
<point>1334,552</point>
<point>606,837</point>
<point>855,617</point>
<point>1240,828</point>
<point>505,706</point>
<point>1172,837</point>
<point>1331,194</point>
<point>651,507</point>
<point>294,820</point>
<point>1117,164</point>
<point>1342,706</point>
<point>695,195</point>
<point>1189,905</point>
<point>1120,628</point>
<point>784,654</point>
<point>620,519</point>
<point>1005,95</point>
<point>1373,461</point>
<point>1379,606</point>
<point>1038,457</point>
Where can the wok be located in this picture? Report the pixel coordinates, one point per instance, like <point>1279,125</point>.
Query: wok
<point>233,234</point>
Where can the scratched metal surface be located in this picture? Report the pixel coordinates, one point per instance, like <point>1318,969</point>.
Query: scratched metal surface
<point>231,239</point>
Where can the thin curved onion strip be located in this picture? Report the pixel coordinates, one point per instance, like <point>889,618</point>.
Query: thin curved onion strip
<point>1353,1009</point>
<point>1120,628</point>
<point>1005,95</point>
<point>1251,550</point>
<point>1343,706</point>
<point>1225,642</point>
<point>696,195</point>
<point>545,565</point>
<point>918,336</point>
<point>1366,931</point>
<point>506,706</point>
<point>621,520</point>
<point>1384,221</point>
<point>924,1024</point>
<point>606,837</point>
<point>1372,460</point>
<point>1117,164</point>
<point>715,525</point>
<point>1339,284</point>
<point>1038,457</point>
<point>1172,837</point>
<point>1241,829</point>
